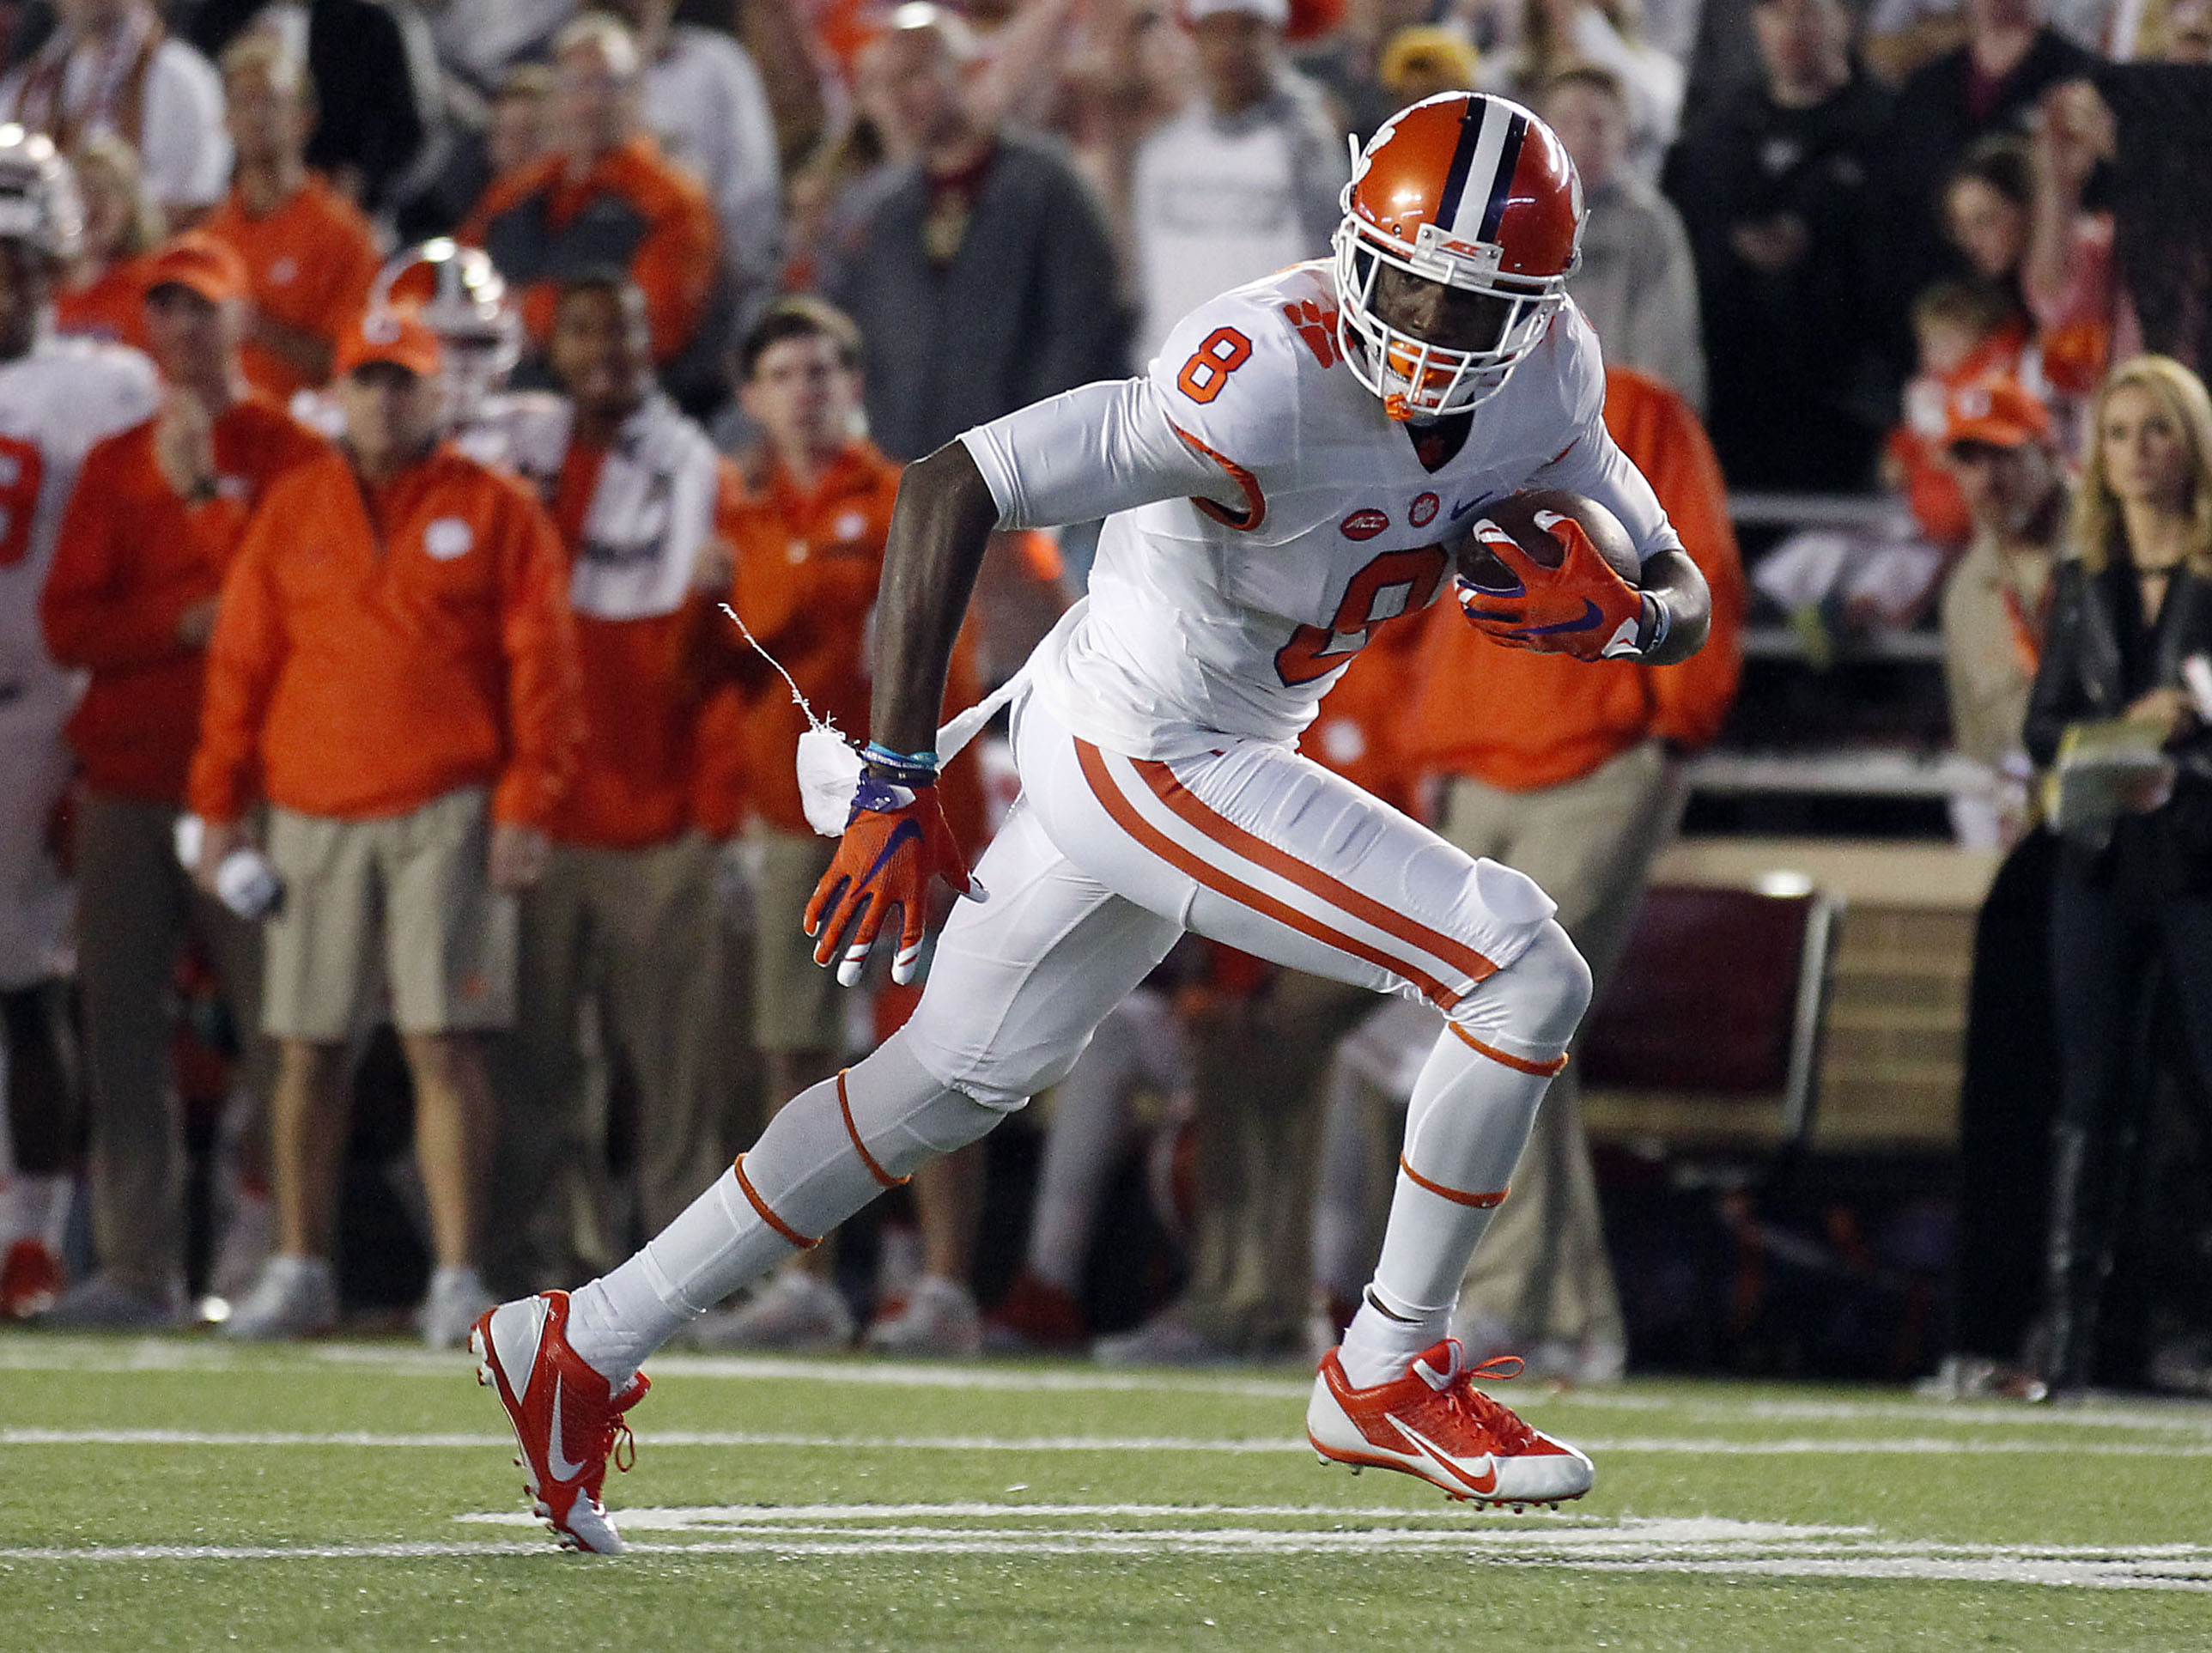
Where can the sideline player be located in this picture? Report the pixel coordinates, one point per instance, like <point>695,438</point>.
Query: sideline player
<point>58,398</point>
<point>1288,474</point>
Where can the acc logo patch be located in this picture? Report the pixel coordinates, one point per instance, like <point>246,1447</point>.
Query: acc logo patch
<point>1365,525</point>
<point>1425,510</point>
<point>448,538</point>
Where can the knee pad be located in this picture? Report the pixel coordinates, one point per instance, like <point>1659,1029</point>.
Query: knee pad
<point>1533,1007</point>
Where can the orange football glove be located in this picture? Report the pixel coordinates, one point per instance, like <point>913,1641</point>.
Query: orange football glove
<point>895,845</point>
<point>1580,608</point>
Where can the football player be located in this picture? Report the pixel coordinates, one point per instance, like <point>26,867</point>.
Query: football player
<point>460,296</point>
<point>1294,468</point>
<point>58,398</point>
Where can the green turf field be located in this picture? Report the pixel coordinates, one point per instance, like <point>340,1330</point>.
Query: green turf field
<point>179,1493</point>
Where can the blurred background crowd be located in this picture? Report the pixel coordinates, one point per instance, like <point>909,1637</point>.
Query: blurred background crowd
<point>479,952</point>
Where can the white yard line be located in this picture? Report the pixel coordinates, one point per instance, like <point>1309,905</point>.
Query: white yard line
<point>1693,1446</point>
<point>1707,1546</point>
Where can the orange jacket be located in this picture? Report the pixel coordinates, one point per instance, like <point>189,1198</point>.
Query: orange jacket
<point>311,264</point>
<point>1523,721</point>
<point>1358,730</point>
<point>528,221</point>
<point>113,308</point>
<point>638,773</point>
<point>807,569</point>
<point>132,556</point>
<point>379,646</point>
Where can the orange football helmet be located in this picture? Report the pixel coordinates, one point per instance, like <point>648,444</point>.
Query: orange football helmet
<point>460,295</point>
<point>1476,193</point>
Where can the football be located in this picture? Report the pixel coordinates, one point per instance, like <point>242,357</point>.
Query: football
<point>1517,514</point>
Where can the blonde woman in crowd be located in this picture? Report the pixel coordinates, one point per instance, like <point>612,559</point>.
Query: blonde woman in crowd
<point>104,293</point>
<point>2131,609</point>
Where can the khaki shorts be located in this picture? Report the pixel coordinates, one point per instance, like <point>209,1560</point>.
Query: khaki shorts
<point>796,1005</point>
<point>404,900</point>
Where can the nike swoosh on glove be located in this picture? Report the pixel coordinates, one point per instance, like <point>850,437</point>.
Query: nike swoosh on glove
<point>1580,608</point>
<point>894,845</point>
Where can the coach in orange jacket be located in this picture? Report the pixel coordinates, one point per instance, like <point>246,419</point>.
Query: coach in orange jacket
<point>395,670</point>
<point>1568,773</point>
<point>157,517</point>
<point>627,913</point>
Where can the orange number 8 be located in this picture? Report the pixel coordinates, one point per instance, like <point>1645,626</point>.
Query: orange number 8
<point>1225,350</point>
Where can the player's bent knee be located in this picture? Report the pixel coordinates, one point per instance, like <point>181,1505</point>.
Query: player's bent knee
<point>1535,1003</point>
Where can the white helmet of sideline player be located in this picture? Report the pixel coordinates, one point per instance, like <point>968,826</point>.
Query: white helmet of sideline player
<point>39,200</point>
<point>460,296</point>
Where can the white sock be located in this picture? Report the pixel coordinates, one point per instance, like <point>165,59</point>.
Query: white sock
<point>1469,1118</point>
<point>806,1171</point>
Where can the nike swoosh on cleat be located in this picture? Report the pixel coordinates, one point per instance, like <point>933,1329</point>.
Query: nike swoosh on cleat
<point>555,1460</point>
<point>1482,1486</point>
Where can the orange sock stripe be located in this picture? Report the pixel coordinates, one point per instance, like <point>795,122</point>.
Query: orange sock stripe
<point>1458,1197</point>
<point>884,1178</point>
<point>784,1229</point>
<point>1519,1063</point>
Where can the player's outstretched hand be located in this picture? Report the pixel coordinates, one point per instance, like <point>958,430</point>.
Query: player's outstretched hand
<point>1580,608</point>
<point>895,845</point>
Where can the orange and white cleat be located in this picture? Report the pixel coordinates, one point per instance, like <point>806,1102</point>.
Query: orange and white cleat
<point>565,1417</point>
<point>1434,1423</point>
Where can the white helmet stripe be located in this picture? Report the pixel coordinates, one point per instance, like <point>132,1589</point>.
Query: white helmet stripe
<point>1465,213</point>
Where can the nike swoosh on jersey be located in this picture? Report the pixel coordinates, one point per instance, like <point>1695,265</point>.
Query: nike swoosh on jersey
<point>555,1460</point>
<point>1458,511</point>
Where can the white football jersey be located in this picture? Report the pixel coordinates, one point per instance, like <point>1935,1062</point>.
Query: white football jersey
<point>56,402</point>
<point>1264,511</point>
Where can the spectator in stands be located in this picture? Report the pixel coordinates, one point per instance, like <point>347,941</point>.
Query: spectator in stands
<point>2128,609</point>
<point>1964,333</point>
<point>111,66</point>
<point>103,293</point>
<point>1636,281</point>
<point>625,917</point>
<point>704,101</point>
<point>154,523</point>
<point>1772,188</point>
<point>809,542</point>
<point>371,78</point>
<point>394,670</point>
<point>1583,800</point>
<point>1557,35</point>
<point>606,195</point>
<point>1985,208</point>
<point>309,254</point>
<point>1991,83</point>
<point>1420,62</point>
<point>1244,182</point>
<point>1995,608</point>
<point>979,271</point>
<point>517,136</point>
<point>1356,62</point>
<point>1998,439</point>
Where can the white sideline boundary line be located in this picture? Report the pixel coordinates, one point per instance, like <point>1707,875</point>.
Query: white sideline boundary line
<point>1699,1446</point>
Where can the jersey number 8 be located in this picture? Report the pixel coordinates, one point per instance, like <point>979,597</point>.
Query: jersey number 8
<point>21,470</point>
<point>1225,350</point>
<point>1395,583</point>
